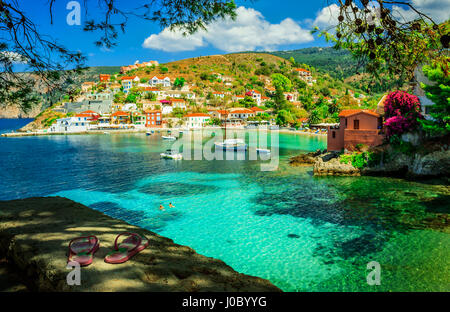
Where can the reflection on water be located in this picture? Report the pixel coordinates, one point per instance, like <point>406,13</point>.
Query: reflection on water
<point>302,233</point>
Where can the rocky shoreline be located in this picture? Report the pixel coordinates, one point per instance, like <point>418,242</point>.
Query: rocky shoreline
<point>434,164</point>
<point>35,232</point>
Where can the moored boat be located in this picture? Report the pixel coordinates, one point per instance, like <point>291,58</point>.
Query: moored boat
<point>169,154</point>
<point>169,137</point>
<point>263,151</point>
<point>232,145</point>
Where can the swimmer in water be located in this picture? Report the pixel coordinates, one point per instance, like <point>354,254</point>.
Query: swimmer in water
<point>171,206</point>
<point>161,207</point>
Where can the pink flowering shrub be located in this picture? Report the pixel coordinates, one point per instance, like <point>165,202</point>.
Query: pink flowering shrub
<point>402,110</point>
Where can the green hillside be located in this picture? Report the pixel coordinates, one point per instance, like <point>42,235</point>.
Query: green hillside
<point>338,64</point>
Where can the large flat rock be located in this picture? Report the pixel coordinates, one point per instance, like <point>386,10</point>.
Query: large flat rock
<point>35,233</point>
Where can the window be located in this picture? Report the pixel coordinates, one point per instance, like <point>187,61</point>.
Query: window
<point>333,134</point>
<point>356,124</point>
<point>346,122</point>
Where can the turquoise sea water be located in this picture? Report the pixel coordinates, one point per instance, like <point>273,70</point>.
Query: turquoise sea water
<point>301,232</point>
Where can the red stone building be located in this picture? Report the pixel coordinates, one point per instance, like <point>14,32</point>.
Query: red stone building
<point>357,126</point>
<point>153,119</point>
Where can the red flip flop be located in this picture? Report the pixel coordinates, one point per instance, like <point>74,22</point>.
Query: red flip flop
<point>130,246</point>
<point>82,249</point>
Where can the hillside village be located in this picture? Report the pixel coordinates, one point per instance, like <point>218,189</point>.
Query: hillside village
<point>236,90</point>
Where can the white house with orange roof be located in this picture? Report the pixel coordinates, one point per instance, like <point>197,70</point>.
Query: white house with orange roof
<point>257,110</point>
<point>256,95</point>
<point>291,96</point>
<point>220,95</point>
<point>158,92</point>
<point>197,120</point>
<point>128,82</point>
<point>242,113</point>
<point>304,74</point>
<point>78,123</point>
<point>159,81</point>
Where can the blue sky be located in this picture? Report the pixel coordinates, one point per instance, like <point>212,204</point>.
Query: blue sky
<point>261,25</point>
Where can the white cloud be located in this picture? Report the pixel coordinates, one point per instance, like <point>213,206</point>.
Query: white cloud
<point>13,57</point>
<point>438,10</point>
<point>250,31</point>
<point>327,16</point>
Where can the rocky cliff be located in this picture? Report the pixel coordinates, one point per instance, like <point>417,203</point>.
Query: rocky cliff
<point>35,233</point>
<point>15,112</point>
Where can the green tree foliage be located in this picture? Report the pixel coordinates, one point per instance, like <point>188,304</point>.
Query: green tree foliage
<point>247,102</point>
<point>314,117</point>
<point>132,97</point>
<point>439,93</point>
<point>150,96</point>
<point>281,82</point>
<point>284,118</point>
<point>179,82</point>
<point>178,112</point>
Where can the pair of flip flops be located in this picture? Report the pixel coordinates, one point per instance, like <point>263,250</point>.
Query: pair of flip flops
<point>82,249</point>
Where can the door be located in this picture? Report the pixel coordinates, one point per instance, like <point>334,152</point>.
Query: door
<point>356,124</point>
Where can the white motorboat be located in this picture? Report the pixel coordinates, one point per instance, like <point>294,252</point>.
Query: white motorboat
<point>232,145</point>
<point>169,154</point>
<point>169,137</point>
<point>263,151</point>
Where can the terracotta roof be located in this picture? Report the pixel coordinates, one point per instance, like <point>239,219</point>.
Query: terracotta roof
<point>119,113</point>
<point>257,109</point>
<point>151,89</point>
<point>351,112</point>
<point>243,111</point>
<point>89,112</point>
<point>302,119</point>
<point>197,115</point>
<point>302,70</point>
<point>127,77</point>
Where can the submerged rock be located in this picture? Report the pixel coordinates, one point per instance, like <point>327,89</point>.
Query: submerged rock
<point>334,167</point>
<point>304,159</point>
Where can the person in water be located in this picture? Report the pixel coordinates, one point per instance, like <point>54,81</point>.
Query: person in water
<point>171,206</point>
<point>161,207</point>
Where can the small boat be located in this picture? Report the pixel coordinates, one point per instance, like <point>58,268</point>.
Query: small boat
<point>149,133</point>
<point>105,132</point>
<point>232,145</point>
<point>169,154</point>
<point>169,137</point>
<point>263,151</point>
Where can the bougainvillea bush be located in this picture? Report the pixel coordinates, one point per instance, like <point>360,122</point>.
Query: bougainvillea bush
<point>402,112</point>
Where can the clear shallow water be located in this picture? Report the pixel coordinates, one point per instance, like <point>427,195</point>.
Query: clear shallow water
<point>300,232</point>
